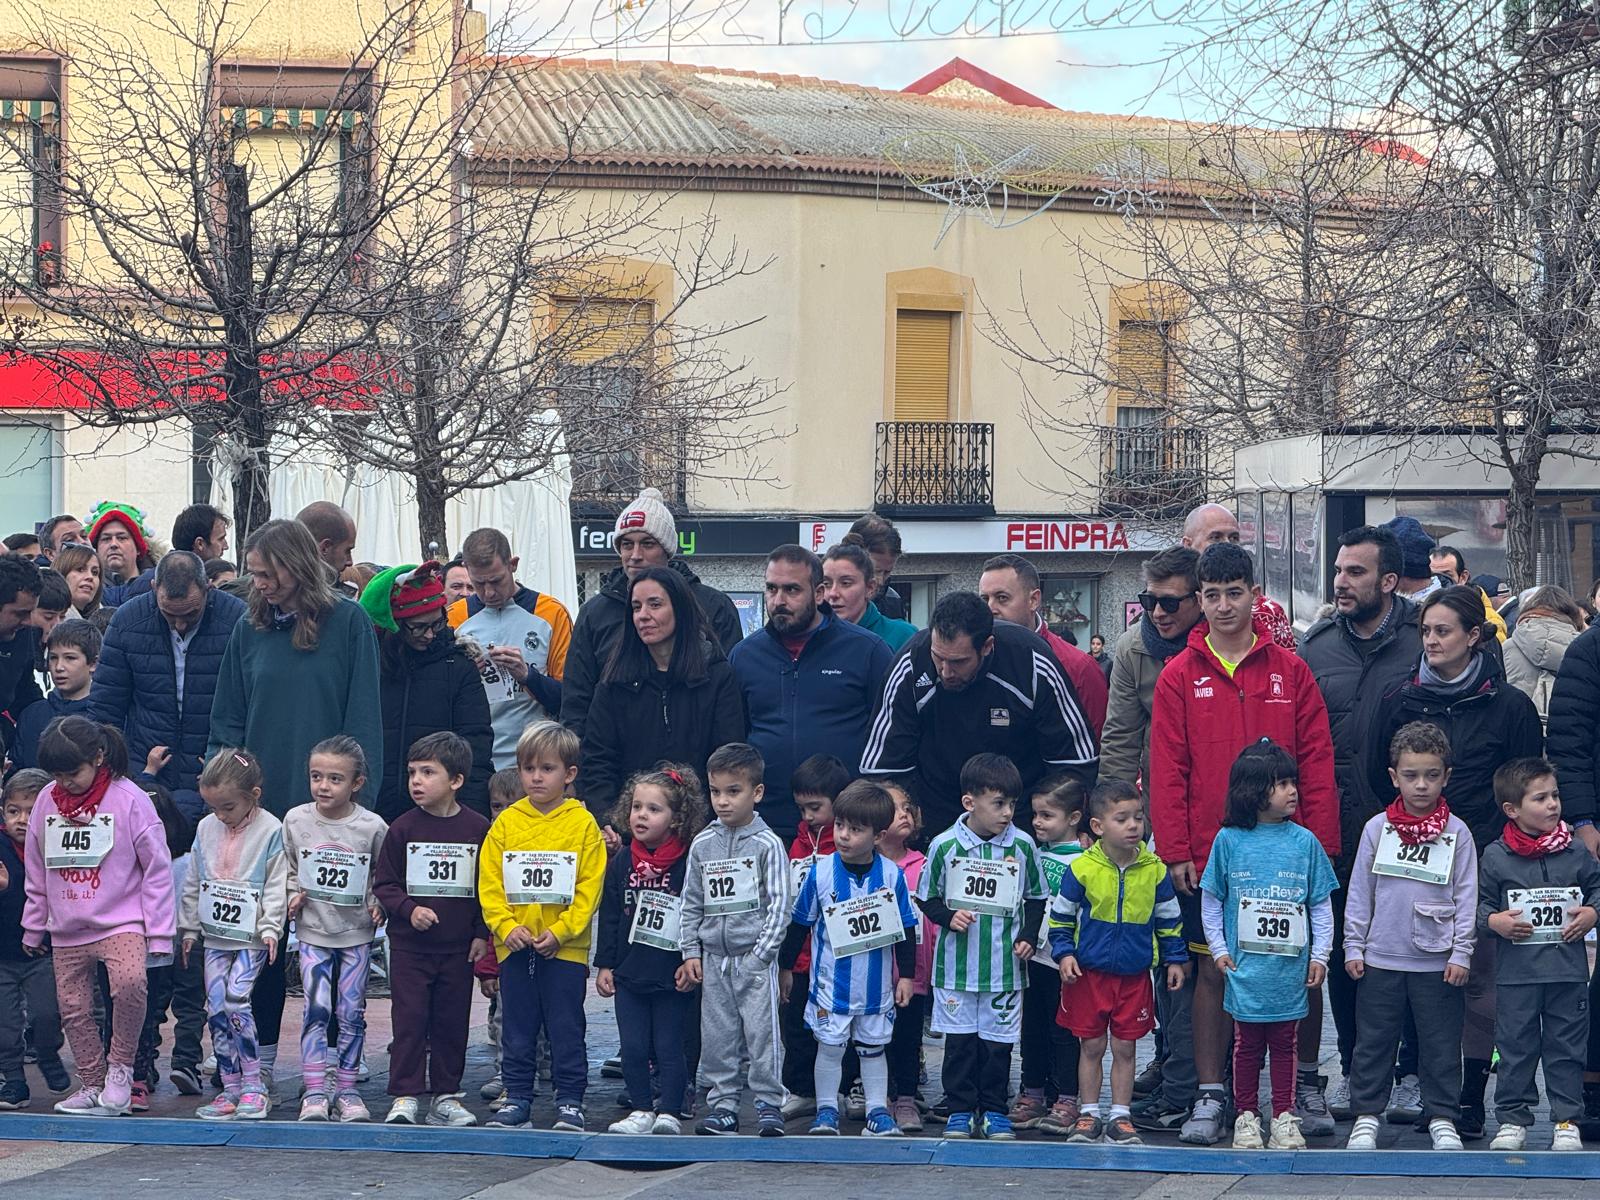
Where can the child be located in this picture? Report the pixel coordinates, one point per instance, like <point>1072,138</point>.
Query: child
<point>1049,1050</point>
<point>813,785</point>
<point>1113,901</point>
<point>236,895</point>
<point>736,899</point>
<point>99,885</point>
<point>333,843</point>
<point>71,651</point>
<point>27,984</point>
<point>984,887</point>
<point>162,979</point>
<point>637,945</point>
<point>1410,925</point>
<point>855,907</point>
<point>1266,881</point>
<point>905,1046</point>
<point>543,865</point>
<point>1538,890</point>
<point>505,789</point>
<point>427,881</point>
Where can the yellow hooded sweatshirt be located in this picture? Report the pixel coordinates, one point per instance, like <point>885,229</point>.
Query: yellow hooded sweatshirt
<point>567,828</point>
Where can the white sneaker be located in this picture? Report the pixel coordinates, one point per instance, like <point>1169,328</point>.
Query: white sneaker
<point>666,1123</point>
<point>1405,1102</point>
<point>855,1104</point>
<point>799,1106</point>
<point>638,1121</point>
<point>1566,1137</point>
<point>1286,1133</point>
<point>1247,1132</point>
<point>1338,1098</point>
<point>1510,1137</point>
<point>449,1111</point>
<point>1444,1135</point>
<point>1364,1135</point>
<point>402,1112</point>
<point>363,1072</point>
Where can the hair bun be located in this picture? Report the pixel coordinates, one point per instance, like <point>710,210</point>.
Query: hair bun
<point>853,539</point>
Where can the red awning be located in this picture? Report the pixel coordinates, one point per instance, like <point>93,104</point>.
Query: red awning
<point>77,380</point>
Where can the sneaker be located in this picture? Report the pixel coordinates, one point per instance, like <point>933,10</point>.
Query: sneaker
<point>402,1112</point>
<point>798,1106</point>
<point>1405,1102</point>
<point>448,1111</point>
<point>1311,1106</point>
<point>958,1125</point>
<point>569,1118</point>
<point>855,1104</point>
<point>210,1063</point>
<point>1566,1137</point>
<point>611,1069</point>
<point>14,1094</point>
<point>666,1123</point>
<point>269,1079</point>
<point>719,1121</point>
<point>252,1106</point>
<point>314,1107</point>
<point>1509,1137</point>
<point>116,1096</point>
<point>1088,1128</point>
<point>1147,1080</point>
<point>1247,1132</point>
<point>1286,1133</point>
<point>363,1072</point>
<point>1337,1098</point>
<point>1155,1114</point>
<point>637,1122</point>
<point>1204,1126</point>
<point>1442,1133</point>
<point>349,1108</point>
<point>1469,1122</point>
<point>906,1114</point>
<point>186,1080</point>
<point>139,1097</point>
<point>881,1124</point>
<point>223,1108</point>
<point>56,1077</point>
<point>511,1115</point>
<point>1063,1115</point>
<point>1026,1111</point>
<point>826,1121</point>
<point>997,1128</point>
<point>492,1092</point>
<point>1589,1123</point>
<point>1120,1131</point>
<point>1364,1134</point>
<point>769,1120</point>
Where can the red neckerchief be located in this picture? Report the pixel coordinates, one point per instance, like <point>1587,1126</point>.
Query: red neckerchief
<point>1556,840</point>
<point>76,807</point>
<point>1414,831</point>
<point>654,864</point>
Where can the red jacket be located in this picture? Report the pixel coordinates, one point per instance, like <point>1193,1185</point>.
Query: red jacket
<point>1200,720</point>
<point>806,848</point>
<point>1087,676</point>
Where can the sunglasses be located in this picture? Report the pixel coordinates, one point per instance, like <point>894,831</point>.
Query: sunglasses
<point>1168,604</point>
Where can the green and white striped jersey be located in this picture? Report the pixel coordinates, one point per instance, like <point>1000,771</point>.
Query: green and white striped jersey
<point>981,959</point>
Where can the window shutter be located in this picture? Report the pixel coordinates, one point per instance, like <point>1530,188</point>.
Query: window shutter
<point>922,365</point>
<point>1143,371</point>
<point>17,200</point>
<point>590,330</point>
<point>273,157</point>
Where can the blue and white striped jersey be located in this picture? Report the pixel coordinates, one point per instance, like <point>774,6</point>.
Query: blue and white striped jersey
<point>860,983</point>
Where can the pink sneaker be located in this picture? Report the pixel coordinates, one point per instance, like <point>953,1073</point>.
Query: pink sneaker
<point>223,1108</point>
<point>139,1100</point>
<point>117,1095</point>
<point>348,1106</point>
<point>85,1102</point>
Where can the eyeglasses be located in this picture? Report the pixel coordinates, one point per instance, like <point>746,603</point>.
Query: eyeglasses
<point>1169,604</point>
<point>429,630</point>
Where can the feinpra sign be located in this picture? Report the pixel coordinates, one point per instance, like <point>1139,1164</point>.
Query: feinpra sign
<point>1039,536</point>
<point>1066,535</point>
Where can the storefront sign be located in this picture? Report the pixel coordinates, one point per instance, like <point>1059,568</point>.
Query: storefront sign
<point>1026,536</point>
<point>696,539</point>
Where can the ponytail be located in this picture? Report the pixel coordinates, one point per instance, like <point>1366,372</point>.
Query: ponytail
<point>75,741</point>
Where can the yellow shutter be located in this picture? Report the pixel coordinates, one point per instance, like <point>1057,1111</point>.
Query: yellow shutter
<point>589,330</point>
<point>16,201</point>
<point>922,365</point>
<point>1142,369</point>
<point>311,201</point>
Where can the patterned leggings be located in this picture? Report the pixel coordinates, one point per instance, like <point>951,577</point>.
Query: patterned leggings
<point>123,956</point>
<point>230,974</point>
<point>318,965</point>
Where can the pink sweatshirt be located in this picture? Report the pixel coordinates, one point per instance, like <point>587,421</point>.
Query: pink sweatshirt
<point>129,892</point>
<point>911,867</point>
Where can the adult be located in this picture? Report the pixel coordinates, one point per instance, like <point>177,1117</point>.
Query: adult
<point>809,678</point>
<point>1097,651</point>
<point>80,567</point>
<point>1417,578</point>
<point>427,683</point>
<point>334,531</point>
<point>158,670</point>
<point>661,697</point>
<point>202,530</point>
<point>1362,651</point>
<point>1459,685</point>
<point>965,685</point>
<point>19,640</point>
<point>645,536</point>
<point>1548,622</point>
<point>457,580</point>
<point>1449,564</point>
<point>24,544</point>
<point>516,637</point>
<point>848,583</point>
<point>1213,524</point>
<point>221,570</point>
<point>1009,585</point>
<point>121,540</point>
<point>57,532</point>
<point>883,543</point>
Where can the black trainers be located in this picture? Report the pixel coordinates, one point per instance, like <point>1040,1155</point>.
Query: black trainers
<point>719,1121</point>
<point>56,1076</point>
<point>1469,1124</point>
<point>14,1093</point>
<point>769,1120</point>
<point>1148,1080</point>
<point>569,1118</point>
<point>1154,1114</point>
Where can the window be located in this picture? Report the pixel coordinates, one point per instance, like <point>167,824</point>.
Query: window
<point>923,357</point>
<point>1071,602</point>
<point>1143,364</point>
<point>27,471</point>
<point>30,162</point>
<point>603,391</point>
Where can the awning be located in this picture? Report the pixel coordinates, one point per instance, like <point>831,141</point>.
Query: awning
<point>78,380</point>
<point>291,119</point>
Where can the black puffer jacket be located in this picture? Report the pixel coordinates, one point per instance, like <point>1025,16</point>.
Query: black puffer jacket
<point>431,691</point>
<point>599,623</point>
<point>1574,727</point>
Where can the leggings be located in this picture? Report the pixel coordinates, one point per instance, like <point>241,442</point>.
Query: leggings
<point>230,974</point>
<point>651,1026</point>
<point>1251,1043</point>
<point>318,967</point>
<point>123,956</point>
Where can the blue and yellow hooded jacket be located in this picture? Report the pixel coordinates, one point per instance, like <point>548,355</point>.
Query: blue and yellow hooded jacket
<point>1117,920</point>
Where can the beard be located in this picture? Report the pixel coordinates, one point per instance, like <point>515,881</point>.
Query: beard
<point>1366,608</point>
<point>796,622</point>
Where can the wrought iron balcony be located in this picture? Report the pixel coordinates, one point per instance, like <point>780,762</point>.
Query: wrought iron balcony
<point>935,469</point>
<point>1151,470</point>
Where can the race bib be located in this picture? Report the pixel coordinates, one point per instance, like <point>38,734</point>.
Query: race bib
<point>1545,909</point>
<point>987,888</point>
<point>335,875</point>
<point>799,868</point>
<point>1271,926</point>
<point>863,923</point>
<point>68,844</point>
<point>229,910</point>
<point>730,886</point>
<point>656,917</point>
<point>441,869</point>
<point>540,876</point>
<point>1429,862</point>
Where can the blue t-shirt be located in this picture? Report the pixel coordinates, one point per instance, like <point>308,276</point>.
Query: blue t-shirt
<point>1273,863</point>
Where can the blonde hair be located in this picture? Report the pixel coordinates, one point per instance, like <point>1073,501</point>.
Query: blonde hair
<point>233,769</point>
<point>547,738</point>
<point>289,545</point>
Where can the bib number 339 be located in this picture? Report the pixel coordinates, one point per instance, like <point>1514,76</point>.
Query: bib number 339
<point>1271,926</point>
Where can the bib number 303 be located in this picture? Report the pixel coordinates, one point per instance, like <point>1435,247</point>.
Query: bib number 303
<point>540,876</point>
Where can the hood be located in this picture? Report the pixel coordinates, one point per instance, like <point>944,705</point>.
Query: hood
<point>1544,640</point>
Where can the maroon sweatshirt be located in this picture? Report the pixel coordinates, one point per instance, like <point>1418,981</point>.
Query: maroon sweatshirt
<point>460,917</point>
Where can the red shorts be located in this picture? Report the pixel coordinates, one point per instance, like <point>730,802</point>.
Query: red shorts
<point>1098,1000</point>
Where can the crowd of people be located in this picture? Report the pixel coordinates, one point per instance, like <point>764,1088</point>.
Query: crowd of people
<point>1198,832</point>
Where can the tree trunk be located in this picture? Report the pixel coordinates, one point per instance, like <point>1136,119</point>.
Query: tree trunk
<point>1520,517</point>
<point>430,517</point>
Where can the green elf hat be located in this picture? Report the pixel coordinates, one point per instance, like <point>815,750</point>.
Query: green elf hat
<point>404,592</point>
<point>114,510</point>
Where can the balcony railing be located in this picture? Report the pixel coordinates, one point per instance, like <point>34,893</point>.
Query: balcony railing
<point>1152,470</point>
<point>935,469</point>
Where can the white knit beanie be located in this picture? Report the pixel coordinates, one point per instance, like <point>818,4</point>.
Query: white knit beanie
<point>650,514</point>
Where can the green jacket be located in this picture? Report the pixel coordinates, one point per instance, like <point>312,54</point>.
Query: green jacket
<point>896,633</point>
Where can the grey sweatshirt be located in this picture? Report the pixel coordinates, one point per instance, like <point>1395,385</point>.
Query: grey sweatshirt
<point>1408,924</point>
<point>356,841</point>
<point>758,932</point>
<point>1526,962</point>
<point>251,855</point>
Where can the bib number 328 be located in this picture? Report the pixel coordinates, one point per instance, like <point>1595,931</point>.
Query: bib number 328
<point>1547,909</point>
